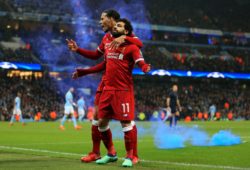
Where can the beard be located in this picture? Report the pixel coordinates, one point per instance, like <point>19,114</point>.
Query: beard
<point>117,34</point>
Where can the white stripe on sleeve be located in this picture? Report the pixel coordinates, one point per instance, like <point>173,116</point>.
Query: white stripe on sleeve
<point>100,50</point>
<point>139,59</point>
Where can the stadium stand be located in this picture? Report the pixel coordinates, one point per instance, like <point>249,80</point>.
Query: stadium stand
<point>170,50</point>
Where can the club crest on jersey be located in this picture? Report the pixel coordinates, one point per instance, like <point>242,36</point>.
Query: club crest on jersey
<point>120,57</point>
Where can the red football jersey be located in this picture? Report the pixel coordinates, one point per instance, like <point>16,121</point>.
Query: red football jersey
<point>119,65</point>
<point>107,39</point>
<point>105,44</point>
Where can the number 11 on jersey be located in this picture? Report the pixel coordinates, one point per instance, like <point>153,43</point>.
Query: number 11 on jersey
<point>125,107</point>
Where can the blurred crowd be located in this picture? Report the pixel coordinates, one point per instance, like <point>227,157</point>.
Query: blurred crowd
<point>38,95</point>
<point>226,15</point>
<point>44,95</point>
<point>18,55</point>
<point>198,59</point>
<point>160,57</point>
<point>195,95</point>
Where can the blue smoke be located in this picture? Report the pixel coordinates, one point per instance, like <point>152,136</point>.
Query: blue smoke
<point>81,15</point>
<point>142,131</point>
<point>166,137</point>
<point>135,11</point>
<point>50,46</point>
<point>177,137</point>
<point>58,58</point>
<point>194,135</point>
<point>116,130</point>
<point>224,138</point>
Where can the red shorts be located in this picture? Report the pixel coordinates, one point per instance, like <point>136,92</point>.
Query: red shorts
<point>97,97</point>
<point>118,105</point>
<point>98,93</point>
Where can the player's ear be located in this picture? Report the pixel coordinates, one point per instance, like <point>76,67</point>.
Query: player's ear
<point>112,20</point>
<point>126,32</point>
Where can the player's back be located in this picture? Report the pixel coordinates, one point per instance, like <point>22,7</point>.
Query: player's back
<point>80,103</point>
<point>68,99</point>
<point>173,98</point>
<point>212,108</point>
<point>17,102</point>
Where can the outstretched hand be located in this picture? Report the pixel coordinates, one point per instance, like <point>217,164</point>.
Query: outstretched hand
<point>75,75</point>
<point>79,72</point>
<point>146,68</point>
<point>72,45</point>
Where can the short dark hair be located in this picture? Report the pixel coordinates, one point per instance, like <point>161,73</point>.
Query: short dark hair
<point>128,26</point>
<point>111,13</point>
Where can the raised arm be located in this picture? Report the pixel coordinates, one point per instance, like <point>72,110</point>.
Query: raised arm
<point>90,54</point>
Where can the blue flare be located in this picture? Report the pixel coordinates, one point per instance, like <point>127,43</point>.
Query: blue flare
<point>135,11</point>
<point>195,135</point>
<point>171,138</point>
<point>168,138</point>
<point>117,132</point>
<point>224,138</point>
<point>141,131</point>
<point>81,14</point>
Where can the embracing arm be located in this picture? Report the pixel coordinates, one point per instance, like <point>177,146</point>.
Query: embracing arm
<point>122,39</point>
<point>134,40</point>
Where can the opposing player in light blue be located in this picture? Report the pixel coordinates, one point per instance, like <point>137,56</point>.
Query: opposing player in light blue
<point>81,108</point>
<point>212,110</point>
<point>17,110</point>
<point>69,109</point>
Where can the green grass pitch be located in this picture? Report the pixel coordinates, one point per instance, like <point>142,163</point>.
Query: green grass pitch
<point>41,145</point>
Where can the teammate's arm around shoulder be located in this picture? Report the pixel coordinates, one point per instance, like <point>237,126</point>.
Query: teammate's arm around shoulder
<point>134,40</point>
<point>122,39</point>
